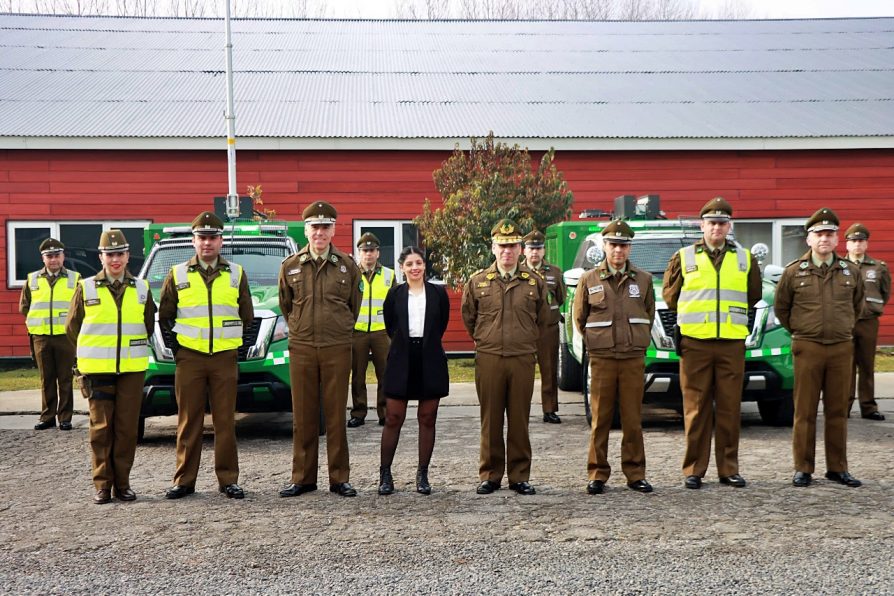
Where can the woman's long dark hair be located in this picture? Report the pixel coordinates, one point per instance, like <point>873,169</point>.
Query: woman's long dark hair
<point>410,250</point>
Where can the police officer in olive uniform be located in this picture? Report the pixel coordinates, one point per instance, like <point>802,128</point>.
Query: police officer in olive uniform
<point>818,299</point>
<point>877,289</point>
<point>111,318</point>
<point>505,309</point>
<point>319,294</point>
<point>369,330</point>
<point>712,284</point>
<point>614,306</point>
<point>205,302</point>
<point>44,301</point>
<point>548,344</point>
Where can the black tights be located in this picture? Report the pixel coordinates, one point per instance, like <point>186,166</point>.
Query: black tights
<point>396,413</point>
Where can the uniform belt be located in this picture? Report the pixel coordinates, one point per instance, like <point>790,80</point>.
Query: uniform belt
<point>416,341</point>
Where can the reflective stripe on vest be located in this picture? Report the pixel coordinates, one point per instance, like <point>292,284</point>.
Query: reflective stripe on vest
<point>113,340</point>
<point>371,318</point>
<point>208,326</point>
<point>49,303</point>
<point>712,304</point>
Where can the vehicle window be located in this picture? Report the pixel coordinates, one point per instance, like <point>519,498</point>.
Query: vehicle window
<point>650,255</point>
<point>260,262</point>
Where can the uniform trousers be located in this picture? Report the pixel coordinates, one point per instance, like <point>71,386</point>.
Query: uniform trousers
<point>547,357</point>
<point>313,370</point>
<point>865,343</point>
<point>362,344</point>
<point>200,379</point>
<point>505,385</point>
<point>114,420</point>
<point>711,376</point>
<point>821,369</point>
<point>620,380</point>
<point>55,356</point>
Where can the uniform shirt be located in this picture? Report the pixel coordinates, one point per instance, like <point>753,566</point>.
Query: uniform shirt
<point>555,285</point>
<point>605,294</point>
<point>320,301</point>
<point>76,311</point>
<point>505,318</point>
<point>876,286</point>
<point>416,312</point>
<point>817,306</point>
<point>25,296</point>
<point>673,276</point>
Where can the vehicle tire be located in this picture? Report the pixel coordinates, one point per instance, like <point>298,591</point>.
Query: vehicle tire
<point>569,371</point>
<point>777,412</point>
<point>141,429</point>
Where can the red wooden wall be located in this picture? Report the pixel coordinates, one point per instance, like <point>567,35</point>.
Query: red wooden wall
<point>168,186</point>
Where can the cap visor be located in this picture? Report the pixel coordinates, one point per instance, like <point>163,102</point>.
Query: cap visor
<point>823,228</point>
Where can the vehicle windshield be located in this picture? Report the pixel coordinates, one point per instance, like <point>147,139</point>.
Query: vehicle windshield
<point>260,261</point>
<point>649,254</point>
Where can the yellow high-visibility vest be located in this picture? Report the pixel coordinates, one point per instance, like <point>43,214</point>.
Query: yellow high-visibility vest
<point>208,320</point>
<point>714,304</point>
<point>371,318</point>
<point>49,303</point>
<point>113,340</point>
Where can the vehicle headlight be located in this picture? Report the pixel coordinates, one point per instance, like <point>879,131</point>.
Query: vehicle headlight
<point>280,329</point>
<point>772,321</point>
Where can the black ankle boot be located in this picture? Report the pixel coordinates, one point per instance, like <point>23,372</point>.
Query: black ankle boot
<point>422,485</point>
<point>386,483</point>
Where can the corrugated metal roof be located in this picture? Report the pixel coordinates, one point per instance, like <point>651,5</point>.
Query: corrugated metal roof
<point>129,77</point>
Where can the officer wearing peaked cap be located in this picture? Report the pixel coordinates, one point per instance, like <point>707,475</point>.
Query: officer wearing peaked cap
<point>45,301</point>
<point>712,284</point>
<point>548,345</point>
<point>319,294</point>
<point>877,290</point>
<point>111,318</point>
<point>505,309</point>
<point>206,304</point>
<point>370,336</point>
<point>614,306</point>
<point>818,299</point>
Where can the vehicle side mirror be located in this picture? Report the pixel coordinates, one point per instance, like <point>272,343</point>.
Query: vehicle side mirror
<point>773,273</point>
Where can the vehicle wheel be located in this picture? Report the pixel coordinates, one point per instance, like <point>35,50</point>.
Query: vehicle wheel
<point>777,412</point>
<point>569,371</point>
<point>585,384</point>
<point>141,429</point>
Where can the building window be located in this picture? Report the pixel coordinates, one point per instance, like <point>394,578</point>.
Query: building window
<point>80,239</point>
<point>393,237</point>
<point>785,237</point>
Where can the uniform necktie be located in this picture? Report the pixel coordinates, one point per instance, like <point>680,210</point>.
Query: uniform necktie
<point>506,277</point>
<point>116,285</point>
<point>824,268</point>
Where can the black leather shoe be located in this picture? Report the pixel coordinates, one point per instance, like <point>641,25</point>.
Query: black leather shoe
<point>125,494</point>
<point>640,486</point>
<point>843,478</point>
<point>801,479</point>
<point>386,482</point>
<point>102,496</point>
<point>178,491</point>
<point>692,482</point>
<point>354,422</point>
<point>293,490</point>
<point>875,416</point>
<point>487,487</point>
<point>734,480</point>
<point>233,491</point>
<point>595,487</point>
<point>381,422</point>
<point>46,425</point>
<point>422,485</point>
<point>522,488</point>
<point>552,418</point>
<point>343,489</point>
<point>67,425</point>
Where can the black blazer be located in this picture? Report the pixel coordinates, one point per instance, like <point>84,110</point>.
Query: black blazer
<point>437,314</point>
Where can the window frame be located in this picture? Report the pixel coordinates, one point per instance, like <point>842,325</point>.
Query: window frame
<point>775,257</point>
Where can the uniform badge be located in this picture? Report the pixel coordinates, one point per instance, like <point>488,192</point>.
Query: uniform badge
<point>846,271</point>
<point>343,269</point>
<point>94,302</point>
<point>551,278</point>
<point>691,268</point>
<point>302,258</point>
<point>491,275</point>
<point>633,290</point>
<point>870,274</point>
<point>293,271</point>
<point>182,286</point>
<point>483,284</point>
<point>804,265</point>
<point>595,289</point>
<point>531,282</point>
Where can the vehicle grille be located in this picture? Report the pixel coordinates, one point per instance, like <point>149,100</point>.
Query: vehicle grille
<point>250,337</point>
<point>669,319</point>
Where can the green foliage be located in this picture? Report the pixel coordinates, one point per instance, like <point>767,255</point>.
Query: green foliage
<point>479,187</point>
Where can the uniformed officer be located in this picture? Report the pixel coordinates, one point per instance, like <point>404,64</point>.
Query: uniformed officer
<point>877,289</point>
<point>505,309</point>
<point>205,302</point>
<point>44,302</point>
<point>111,317</point>
<point>369,330</point>
<point>614,306</point>
<point>319,294</point>
<point>818,299</point>
<point>712,284</point>
<point>548,344</point>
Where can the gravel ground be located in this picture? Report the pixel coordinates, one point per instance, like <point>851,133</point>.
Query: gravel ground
<point>767,538</point>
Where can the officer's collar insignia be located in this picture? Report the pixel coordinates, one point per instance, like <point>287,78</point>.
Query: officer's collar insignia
<point>804,265</point>
<point>491,276</point>
<point>603,274</point>
<point>523,275</point>
<point>333,258</point>
<point>303,258</point>
<point>507,229</point>
<point>843,264</point>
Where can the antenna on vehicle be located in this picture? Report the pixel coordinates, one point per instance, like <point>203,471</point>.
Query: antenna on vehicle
<point>230,116</point>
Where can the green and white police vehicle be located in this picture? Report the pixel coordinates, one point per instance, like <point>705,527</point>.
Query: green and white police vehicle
<point>576,246</point>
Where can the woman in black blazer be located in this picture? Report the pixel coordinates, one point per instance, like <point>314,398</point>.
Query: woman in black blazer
<point>416,314</point>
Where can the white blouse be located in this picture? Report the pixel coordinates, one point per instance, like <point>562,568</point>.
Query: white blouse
<point>416,312</point>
